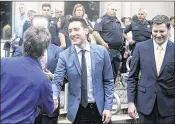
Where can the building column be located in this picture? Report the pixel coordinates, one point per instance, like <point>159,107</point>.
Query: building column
<point>126,9</point>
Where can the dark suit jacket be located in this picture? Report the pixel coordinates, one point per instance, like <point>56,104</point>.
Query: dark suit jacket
<point>24,87</point>
<point>152,88</point>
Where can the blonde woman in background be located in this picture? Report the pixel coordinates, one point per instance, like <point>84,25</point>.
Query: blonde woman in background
<point>79,11</point>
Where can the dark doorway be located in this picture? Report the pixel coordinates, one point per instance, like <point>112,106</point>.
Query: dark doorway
<point>91,8</point>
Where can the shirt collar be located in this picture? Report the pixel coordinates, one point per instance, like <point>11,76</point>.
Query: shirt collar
<point>163,45</point>
<point>87,48</point>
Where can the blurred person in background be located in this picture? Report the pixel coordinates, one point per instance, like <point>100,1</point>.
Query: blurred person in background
<point>19,22</point>
<point>28,22</point>
<point>79,11</point>
<point>59,15</point>
<point>6,32</point>
<point>108,33</point>
<point>62,23</point>
<point>140,28</point>
<point>126,50</point>
<point>46,11</point>
<point>94,19</point>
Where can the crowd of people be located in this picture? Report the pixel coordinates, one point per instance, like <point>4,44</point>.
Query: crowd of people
<point>90,57</point>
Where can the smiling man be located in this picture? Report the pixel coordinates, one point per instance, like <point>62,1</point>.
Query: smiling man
<point>89,73</point>
<point>154,94</point>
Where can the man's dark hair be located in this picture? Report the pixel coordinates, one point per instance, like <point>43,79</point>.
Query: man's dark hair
<point>36,41</point>
<point>123,19</point>
<point>78,19</point>
<point>161,19</point>
<point>46,5</point>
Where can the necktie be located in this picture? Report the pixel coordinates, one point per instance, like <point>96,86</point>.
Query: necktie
<point>159,59</point>
<point>84,99</point>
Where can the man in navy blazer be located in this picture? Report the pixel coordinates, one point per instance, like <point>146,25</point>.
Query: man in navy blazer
<point>24,86</point>
<point>99,86</point>
<point>153,93</point>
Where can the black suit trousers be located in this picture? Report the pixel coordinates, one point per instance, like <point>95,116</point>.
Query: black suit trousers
<point>88,115</point>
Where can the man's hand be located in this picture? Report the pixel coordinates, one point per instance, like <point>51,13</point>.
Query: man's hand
<point>49,74</point>
<point>132,110</point>
<point>106,116</point>
<point>55,100</point>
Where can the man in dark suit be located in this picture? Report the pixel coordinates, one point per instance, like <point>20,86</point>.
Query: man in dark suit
<point>153,92</point>
<point>89,73</point>
<point>24,86</point>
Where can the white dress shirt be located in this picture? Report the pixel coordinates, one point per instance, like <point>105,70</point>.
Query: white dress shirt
<point>91,98</point>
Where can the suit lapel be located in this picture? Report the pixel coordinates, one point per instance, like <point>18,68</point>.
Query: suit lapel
<point>152,56</point>
<point>166,57</point>
<point>74,57</point>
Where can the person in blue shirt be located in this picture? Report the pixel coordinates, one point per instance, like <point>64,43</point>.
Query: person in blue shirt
<point>25,89</point>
